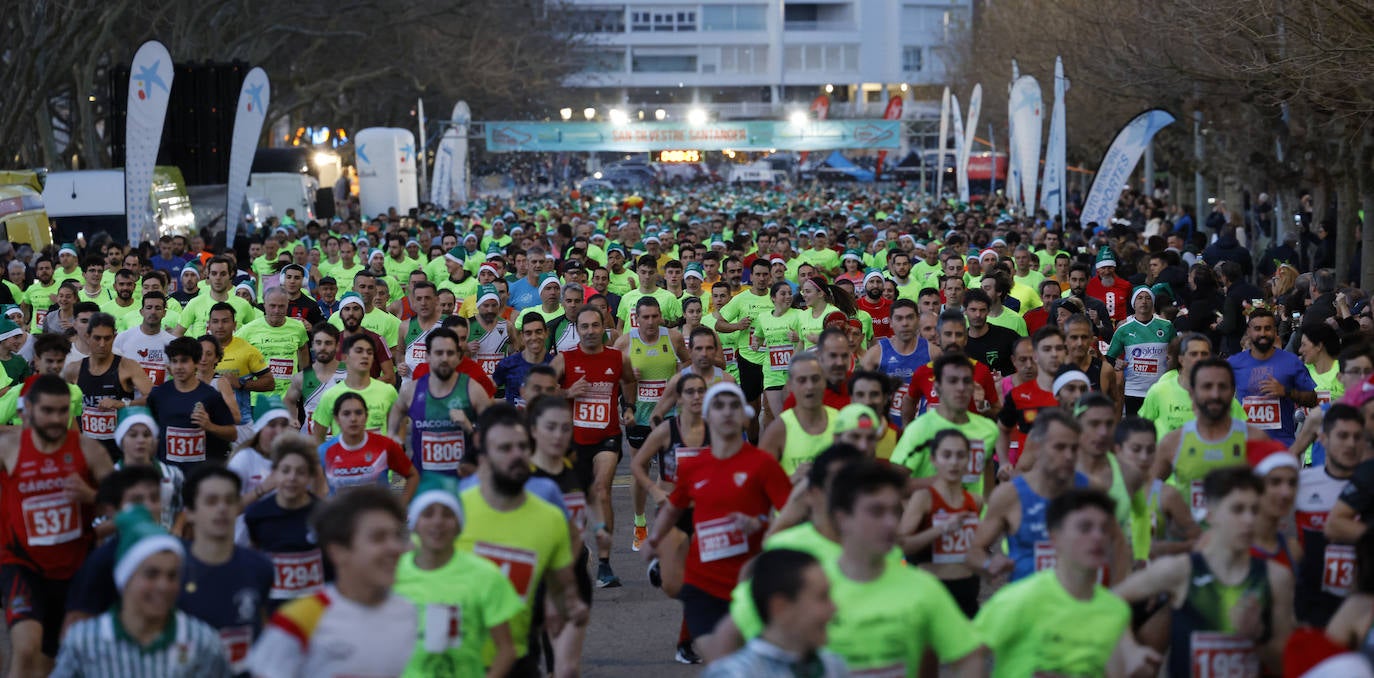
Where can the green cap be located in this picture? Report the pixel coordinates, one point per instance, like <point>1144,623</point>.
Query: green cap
<point>267,409</point>
<point>855,416</point>
<point>547,279</point>
<point>457,254</point>
<point>488,291</point>
<point>1162,288</point>
<point>1105,257</point>
<point>140,537</point>
<point>132,415</point>
<point>351,298</point>
<point>9,329</point>
<point>434,488</point>
<point>493,249</point>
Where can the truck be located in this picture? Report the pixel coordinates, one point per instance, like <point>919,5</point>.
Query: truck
<point>23,215</point>
<point>92,201</point>
<point>387,176</point>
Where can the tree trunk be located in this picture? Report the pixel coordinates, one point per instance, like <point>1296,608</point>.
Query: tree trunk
<point>1365,171</point>
<point>1346,202</point>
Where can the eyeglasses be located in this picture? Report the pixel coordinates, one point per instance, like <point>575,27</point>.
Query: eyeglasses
<point>1358,371</point>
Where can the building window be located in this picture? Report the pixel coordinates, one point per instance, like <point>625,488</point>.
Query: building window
<point>663,20</point>
<point>663,63</point>
<point>808,58</point>
<point>597,20</point>
<point>743,59</point>
<point>603,61</point>
<point>913,59</point>
<point>733,17</point>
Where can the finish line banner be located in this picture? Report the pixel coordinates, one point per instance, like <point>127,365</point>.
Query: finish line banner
<point>639,137</point>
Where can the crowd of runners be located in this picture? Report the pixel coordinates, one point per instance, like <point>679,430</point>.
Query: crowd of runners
<point>869,434</point>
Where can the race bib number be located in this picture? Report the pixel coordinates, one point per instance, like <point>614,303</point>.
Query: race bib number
<point>236,641</point>
<point>51,519</point>
<point>441,450</point>
<point>1262,412</point>
<point>1197,500</point>
<point>898,399</point>
<point>1145,365</point>
<point>779,357</point>
<point>577,508</point>
<point>517,564</point>
<point>1220,655</point>
<point>592,412</point>
<point>98,424</point>
<point>157,372</point>
<point>185,445</point>
<point>443,628</point>
<point>977,457</point>
<point>652,391</point>
<point>1338,569</point>
<point>296,574</point>
<point>1045,556</point>
<point>720,539</point>
<point>952,547</point>
<point>39,315</point>
<point>1323,398</point>
<point>729,353</point>
<point>417,353</point>
<point>489,361</point>
<point>282,368</point>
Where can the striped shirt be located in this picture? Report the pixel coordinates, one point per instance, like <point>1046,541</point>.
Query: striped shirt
<point>99,647</point>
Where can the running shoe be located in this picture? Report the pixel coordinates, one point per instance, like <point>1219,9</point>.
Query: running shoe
<point>641,536</point>
<point>655,574</point>
<point>686,655</point>
<point>605,578</point>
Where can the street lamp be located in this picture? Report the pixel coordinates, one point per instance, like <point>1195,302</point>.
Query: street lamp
<point>660,114</point>
<point>618,116</point>
<point>565,114</point>
<point>696,117</point>
<point>905,87</point>
<point>589,113</point>
<point>829,89</point>
<point>798,118</point>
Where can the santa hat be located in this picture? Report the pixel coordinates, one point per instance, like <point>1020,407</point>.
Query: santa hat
<point>140,538</point>
<point>1264,456</point>
<point>434,488</point>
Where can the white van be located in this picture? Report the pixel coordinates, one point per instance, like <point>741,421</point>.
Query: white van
<point>284,191</point>
<point>92,201</point>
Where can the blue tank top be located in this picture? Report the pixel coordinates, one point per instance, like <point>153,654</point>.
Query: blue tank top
<point>901,368</point>
<point>1022,545</point>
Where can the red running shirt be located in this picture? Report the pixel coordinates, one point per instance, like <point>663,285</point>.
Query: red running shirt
<point>751,483</point>
<point>43,529</point>
<point>596,414</point>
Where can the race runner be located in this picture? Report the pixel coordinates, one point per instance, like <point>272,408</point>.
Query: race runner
<point>438,408</point>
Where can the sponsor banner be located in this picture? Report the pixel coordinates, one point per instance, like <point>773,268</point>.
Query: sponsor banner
<point>975,106</point>
<point>893,112</point>
<point>1026,111</point>
<point>752,135</point>
<point>254,97</point>
<point>1052,186</point>
<point>1119,162</point>
<point>944,145</point>
<point>150,88</point>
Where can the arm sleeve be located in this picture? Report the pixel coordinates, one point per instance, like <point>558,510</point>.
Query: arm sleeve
<point>776,483</point>
<point>1359,494</point>
<point>277,654</point>
<point>219,411</point>
<point>1116,348</point>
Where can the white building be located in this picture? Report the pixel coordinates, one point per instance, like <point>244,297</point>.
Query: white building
<point>761,58</point>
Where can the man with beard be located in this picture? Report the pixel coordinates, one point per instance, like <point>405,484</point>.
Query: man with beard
<point>352,310</point>
<point>1270,381</point>
<point>899,265</point>
<point>122,303</point>
<point>873,303</point>
<point>997,285</point>
<point>299,305</point>
<point>195,317</point>
<point>38,298</point>
<point>1108,288</point>
<point>309,385</point>
<point>921,391</point>
<point>1103,326</point>
<point>144,344</point>
<point>1213,440</point>
<point>424,299</point>
<point>525,537</point>
<point>46,469</point>
<point>899,355</point>
<point>1138,348</point>
<point>600,380</point>
<point>440,408</point>
<point>1168,403</point>
<point>374,319</point>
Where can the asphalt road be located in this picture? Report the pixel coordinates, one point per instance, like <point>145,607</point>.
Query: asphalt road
<point>633,630</point>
